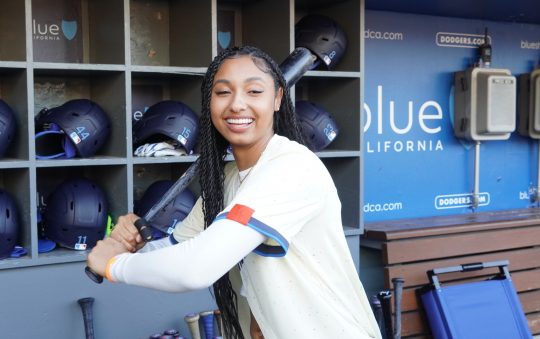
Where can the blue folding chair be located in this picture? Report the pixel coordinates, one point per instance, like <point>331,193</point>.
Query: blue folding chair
<point>476,310</point>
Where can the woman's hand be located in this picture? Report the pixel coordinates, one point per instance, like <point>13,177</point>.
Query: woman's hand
<point>101,253</point>
<point>125,232</point>
<point>254,329</point>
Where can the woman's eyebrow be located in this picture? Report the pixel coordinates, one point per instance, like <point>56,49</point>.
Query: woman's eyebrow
<point>254,79</point>
<point>225,81</point>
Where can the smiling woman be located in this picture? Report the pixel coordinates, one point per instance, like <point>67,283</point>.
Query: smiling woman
<point>244,99</point>
<point>271,219</point>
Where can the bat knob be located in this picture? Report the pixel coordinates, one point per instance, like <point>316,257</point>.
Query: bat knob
<point>144,230</point>
<point>93,275</point>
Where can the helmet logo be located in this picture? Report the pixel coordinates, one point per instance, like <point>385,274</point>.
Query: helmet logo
<point>172,227</point>
<point>80,135</point>
<point>182,137</point>
<point>330,132</point>
<point>81,243</point>
<point>75,138</point>
<point>332,54</point>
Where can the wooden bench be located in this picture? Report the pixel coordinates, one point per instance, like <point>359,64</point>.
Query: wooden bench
<point>409,248</point>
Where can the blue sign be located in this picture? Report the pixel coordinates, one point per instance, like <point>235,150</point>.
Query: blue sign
<point>414,165</point>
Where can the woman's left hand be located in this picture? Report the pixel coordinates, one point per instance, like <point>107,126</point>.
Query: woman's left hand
<point>101,253</point>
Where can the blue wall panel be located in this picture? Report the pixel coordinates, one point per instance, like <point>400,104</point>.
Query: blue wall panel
<point>414,165</point>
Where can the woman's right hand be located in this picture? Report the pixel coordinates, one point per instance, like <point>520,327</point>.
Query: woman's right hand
<point>125,232</point>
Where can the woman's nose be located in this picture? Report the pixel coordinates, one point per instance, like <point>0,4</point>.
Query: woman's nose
<point>238,103</point>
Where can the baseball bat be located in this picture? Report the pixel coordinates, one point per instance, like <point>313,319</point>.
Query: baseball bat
<point>88,316</point>
<point>207,320</point>
<point>377,310</point>
<point>384,297</point>
<point>192,320</point>
<point>293,67</point>
<point>398,295</point>
<point>219,323</point>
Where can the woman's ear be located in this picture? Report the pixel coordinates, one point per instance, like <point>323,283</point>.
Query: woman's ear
<point>277,99</point>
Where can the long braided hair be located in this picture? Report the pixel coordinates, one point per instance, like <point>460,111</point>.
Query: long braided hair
<point>213,148</point>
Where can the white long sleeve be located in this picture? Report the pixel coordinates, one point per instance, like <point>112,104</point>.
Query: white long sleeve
<point>190,265</point>
<point>155,245</point>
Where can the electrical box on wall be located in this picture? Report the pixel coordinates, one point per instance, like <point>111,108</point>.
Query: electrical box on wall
<point>529,104</point>
<point>484,104</point>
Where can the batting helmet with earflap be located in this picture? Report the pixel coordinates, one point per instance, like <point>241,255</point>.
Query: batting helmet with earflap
<point>76,214</point>
<point>318,126</point>
<point>171,214</point>
<point>168,119</point>
<point>323,37</point>
<point>81,124</point>
<point>7,127</point>
<point>9,224</point>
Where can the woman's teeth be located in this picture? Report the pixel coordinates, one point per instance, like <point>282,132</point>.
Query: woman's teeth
<point>241,121</point>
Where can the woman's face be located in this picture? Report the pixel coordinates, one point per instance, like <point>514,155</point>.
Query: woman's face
<point>243,102</point>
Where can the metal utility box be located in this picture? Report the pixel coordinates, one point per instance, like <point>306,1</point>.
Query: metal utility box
<point>529,104</point>
<point>484,104</point>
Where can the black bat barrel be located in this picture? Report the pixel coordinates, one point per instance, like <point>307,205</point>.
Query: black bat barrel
<point>296,65</point>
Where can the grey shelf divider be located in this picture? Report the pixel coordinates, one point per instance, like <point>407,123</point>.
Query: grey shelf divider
<point>165,45</point>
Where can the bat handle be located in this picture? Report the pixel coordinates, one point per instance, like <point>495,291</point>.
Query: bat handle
<point>398,295</point>
<point>146,233</point>
<point>144,229</point>
<point>88,316</point>
<point>192,320</point>
<point>93,275</point>
<point>376,307</point>
<point>384,297</point>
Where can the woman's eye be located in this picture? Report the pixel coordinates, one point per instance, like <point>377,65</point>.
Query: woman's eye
<point>255,91</point>
<point>222,92</point>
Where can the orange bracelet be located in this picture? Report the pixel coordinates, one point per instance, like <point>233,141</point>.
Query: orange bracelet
<point>108,269</point>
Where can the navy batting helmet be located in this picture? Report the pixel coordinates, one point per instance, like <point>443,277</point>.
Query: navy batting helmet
<point>318,126</point>
<point>78,127</point>
<point>76,214</point>
<point>9,224</point>
<point>7,127</point>
<point>168,120</point>
<point>171,214</point>
<point>323,37</point>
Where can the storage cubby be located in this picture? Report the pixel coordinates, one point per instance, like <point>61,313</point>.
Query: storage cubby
<point>171,33</point>
<point>53,87</point>
<point>13,90</point>
<point>78,31</point>
<point>12,31</point>
<point>253,20</point>
<point>16,182</point>
<point>339,97</point>
<point>111,179</point>
<point>349,16</point>
<point>127,55</point>
<point>150,88</point>
<point>345,173</point>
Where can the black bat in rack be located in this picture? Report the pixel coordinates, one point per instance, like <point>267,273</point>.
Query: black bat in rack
<point>293,68</point>
<point>88,316</point>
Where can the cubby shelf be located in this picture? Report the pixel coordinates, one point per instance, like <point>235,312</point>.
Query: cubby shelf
<point>128,54</point>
